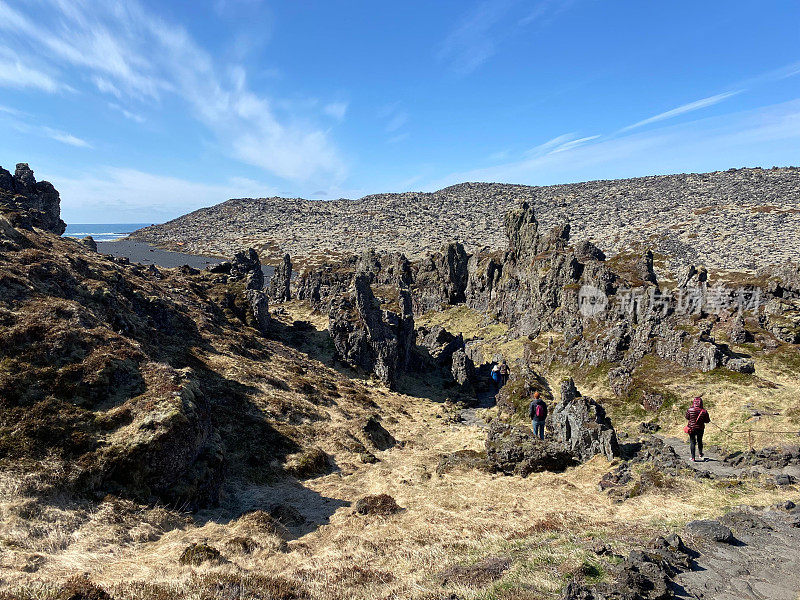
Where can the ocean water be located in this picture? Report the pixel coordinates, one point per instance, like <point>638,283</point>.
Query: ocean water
<point>102,232</point>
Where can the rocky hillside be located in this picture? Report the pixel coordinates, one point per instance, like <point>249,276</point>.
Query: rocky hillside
<point>175,434</point>
<point>736,219</point>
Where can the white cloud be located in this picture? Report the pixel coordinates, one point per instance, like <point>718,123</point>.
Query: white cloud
<point>135,57</point>
<point>136,196</point>
<point>65,138</point>
<point>127,114</point>
<point>685,108</point>
<point>27,124</point>
<point>472,41</point>
<point>476,37</point>
<point>770,133</point>
<point>15,74</point>
<point>337,110</point>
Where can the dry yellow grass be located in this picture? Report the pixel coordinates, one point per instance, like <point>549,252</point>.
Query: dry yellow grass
<point>542,525</point>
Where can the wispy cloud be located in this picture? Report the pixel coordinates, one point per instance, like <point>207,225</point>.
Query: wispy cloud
<point>396,121</point>
<point>135,57</point>
<point>28,124</point>
<point>337,110</point>
<point>475,38</point>
<point>135,117</point>
<point>683,109</point>
<point>472,41</point>
<point>560,143</point>
<point>15,74</point>
<point>396,139</point>
<point>65,138</point>
<point>769,132</point>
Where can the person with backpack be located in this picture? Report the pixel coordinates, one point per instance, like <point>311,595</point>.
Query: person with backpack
<point>696,418</point>
<point>537,411</point>
<point>496,375</point>
<point>504,371</point>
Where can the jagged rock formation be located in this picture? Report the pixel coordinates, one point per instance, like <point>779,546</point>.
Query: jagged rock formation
<point>369,337</point>
<point>144,382</point>
<point>699,217</point>
<point>245,296</point>
<point>516,451</point>
<point>582,426</point>
<point>33,204</point>
<point>440,279</point>
<point>645,574</point>
<point>280,284</point>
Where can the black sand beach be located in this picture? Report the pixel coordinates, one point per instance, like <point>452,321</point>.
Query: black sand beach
<point>145,254</point>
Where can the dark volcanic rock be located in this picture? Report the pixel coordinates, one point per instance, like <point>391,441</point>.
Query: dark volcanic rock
<point>463,370</point>
<point>441,279</point>
<point>34,204</point>
<point>582,426</point>
<point>516,451</point>
<point>246,266</point>
<point>89,242</point>
<point>280,284</point>
<point>645,574</point>
<point>439,343</point>
<point>377,435</point>
<point>371,338</point>
<point>709,530</point>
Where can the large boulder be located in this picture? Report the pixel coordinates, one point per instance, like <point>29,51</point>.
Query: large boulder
<point>516,451</point>
<point>33,204</point>
<point>369,337</point>
<point>280,284</point>
<point>581,425</point>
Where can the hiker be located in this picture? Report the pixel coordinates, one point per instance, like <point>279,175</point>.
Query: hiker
<point>496,375</point>
<point>504,370</point>
<point>537,411</point>
<point>697,417</point>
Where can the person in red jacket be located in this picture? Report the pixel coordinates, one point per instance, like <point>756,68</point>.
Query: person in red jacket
<point>697,417</point>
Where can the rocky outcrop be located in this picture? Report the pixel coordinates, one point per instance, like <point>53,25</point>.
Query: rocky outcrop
<point>463,371</point>
<point>516,451</point>
<point>645,574</point>
<point>32,203</point>
<point>440,279</point>
<point>280,284</point>
<point>368,337</point>
<point>438,344</point>
<point>89,242</point>
<point>377,435</point>
<point>246,266</point>
<point>683,215</point>
<point>581,425</point>
<point>170,453</point>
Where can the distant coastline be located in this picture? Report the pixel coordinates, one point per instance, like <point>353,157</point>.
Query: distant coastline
<point>102,232</point>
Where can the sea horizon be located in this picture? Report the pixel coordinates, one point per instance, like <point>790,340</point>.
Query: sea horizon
<point>102,232</point>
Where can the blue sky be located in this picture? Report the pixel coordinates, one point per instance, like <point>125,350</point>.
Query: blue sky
<point>140,111</point>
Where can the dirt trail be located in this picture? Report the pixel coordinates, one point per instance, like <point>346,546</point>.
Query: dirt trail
<point>715,465</point>
<point>713,462</point>
<point>469,416</point>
